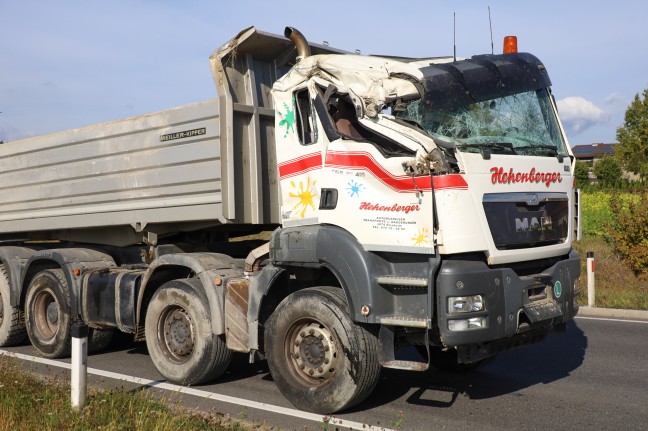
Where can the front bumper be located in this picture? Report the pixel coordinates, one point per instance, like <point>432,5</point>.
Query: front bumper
<point>517,308</point>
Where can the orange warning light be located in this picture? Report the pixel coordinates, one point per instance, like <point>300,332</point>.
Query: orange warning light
<point>510,45</point>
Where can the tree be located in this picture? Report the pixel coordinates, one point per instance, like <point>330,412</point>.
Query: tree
<point>608,170</point>
<point>581,172</point>
<point>632,151</point>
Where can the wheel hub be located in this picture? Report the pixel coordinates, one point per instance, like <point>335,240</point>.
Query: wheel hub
<point>52,314</point>
<point>178,333</point>
<point>313,350</point>
<point>46,314</point>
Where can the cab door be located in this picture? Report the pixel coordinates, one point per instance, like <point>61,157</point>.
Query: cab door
<point>366,190</point>
<point>299,156</point>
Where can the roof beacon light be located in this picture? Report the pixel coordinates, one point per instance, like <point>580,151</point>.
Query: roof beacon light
<point>510,45</point>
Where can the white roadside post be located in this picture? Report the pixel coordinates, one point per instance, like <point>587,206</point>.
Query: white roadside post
<point>79,365</point>
<point>590,279</point>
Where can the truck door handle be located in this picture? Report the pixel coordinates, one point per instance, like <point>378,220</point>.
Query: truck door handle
<point>328,199</point>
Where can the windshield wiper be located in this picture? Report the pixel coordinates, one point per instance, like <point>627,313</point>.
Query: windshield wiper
<point>487,148</point>
<point>552,148</point>
<point>539,147</point>
<point>502,146</point>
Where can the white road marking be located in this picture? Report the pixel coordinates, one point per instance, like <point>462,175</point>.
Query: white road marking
<point>608,319</point>
<point>203,394</point>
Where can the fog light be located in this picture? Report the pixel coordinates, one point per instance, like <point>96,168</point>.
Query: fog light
<point>465,304</point>
<point>467,324</point>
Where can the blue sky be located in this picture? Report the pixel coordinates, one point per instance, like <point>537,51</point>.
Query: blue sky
<point>67,64</point>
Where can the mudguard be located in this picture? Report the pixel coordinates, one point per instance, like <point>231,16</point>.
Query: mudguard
<point>212,269</point>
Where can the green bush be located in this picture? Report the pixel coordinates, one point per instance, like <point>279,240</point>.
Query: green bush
<point>608,170</point>
<point>596,212</point>
<point>628,229</point>
<point>581,172</point>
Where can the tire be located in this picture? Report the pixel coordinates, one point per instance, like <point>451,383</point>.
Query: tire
<point>98,339</point>
<point>12,321</point>
<point>179,335</point>
<point>446,360</point>
<point>47,314</point>
<point>320,359</point>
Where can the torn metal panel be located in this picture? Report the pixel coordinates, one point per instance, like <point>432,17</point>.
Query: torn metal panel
<point>377,81</point>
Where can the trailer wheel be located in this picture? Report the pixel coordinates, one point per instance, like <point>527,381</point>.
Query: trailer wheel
<point>319,358</point>
<point>47,311</point>
<point>98,339</point>
<point>12,322</point>
<point>179,336</point>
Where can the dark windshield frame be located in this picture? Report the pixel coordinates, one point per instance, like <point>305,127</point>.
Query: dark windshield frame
<point>483,77</point>
<point>501,103</point>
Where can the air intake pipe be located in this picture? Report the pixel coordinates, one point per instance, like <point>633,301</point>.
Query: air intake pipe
<point>303,50</point>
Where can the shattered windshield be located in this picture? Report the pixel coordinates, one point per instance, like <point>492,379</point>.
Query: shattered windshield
<point>522,123</point>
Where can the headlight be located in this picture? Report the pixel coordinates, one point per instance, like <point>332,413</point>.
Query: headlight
<point>466,324</point>
<point>465,304</point>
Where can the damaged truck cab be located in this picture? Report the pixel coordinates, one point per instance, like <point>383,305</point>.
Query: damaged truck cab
<point>436,193</point>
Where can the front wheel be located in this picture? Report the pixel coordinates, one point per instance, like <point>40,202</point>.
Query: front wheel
<point>179,335</point>
<point>319,358</point>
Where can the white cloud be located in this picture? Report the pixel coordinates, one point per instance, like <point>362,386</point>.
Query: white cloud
<point>615,99</point>
<point>578,114</point>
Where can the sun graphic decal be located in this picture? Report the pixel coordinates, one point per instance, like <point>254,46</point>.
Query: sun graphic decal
<point>305,196</point>
<point>354,188</point>
<point>422,238</point>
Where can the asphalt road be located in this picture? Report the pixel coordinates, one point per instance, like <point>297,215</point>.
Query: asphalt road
<point>593,376</point>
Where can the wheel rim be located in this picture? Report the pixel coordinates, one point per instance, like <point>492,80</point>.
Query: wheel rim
<point>311,352</point>
<point>176,334</point>
<point>46,314</point>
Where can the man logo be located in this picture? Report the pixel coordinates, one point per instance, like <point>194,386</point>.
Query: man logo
<point>533,224</point>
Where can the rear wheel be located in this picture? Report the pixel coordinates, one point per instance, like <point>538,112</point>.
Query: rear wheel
<point>47,312</point>
<point>319,358</point>
<point>98,339</point>
<point>12,321</point>
<point>179,335</point>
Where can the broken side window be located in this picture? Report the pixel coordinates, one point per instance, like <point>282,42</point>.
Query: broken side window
<point>344,119</point>
<point>306,129</point>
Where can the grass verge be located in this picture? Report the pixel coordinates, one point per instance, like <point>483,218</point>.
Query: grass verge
<point>615,284</point>
<point>29,401</point>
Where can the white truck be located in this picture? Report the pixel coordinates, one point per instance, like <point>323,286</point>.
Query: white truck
<point>423,202</point>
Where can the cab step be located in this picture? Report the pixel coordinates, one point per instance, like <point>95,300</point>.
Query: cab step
<point>406,365</point>
<point>410,322</point>
<point>397,280</point>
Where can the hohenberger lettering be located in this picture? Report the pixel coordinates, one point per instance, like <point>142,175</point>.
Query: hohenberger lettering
<point>499,176</point>
<point>368,206</point>
<point>185,134</point>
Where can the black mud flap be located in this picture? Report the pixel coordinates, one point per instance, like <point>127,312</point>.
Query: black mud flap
<point>541,311</point>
